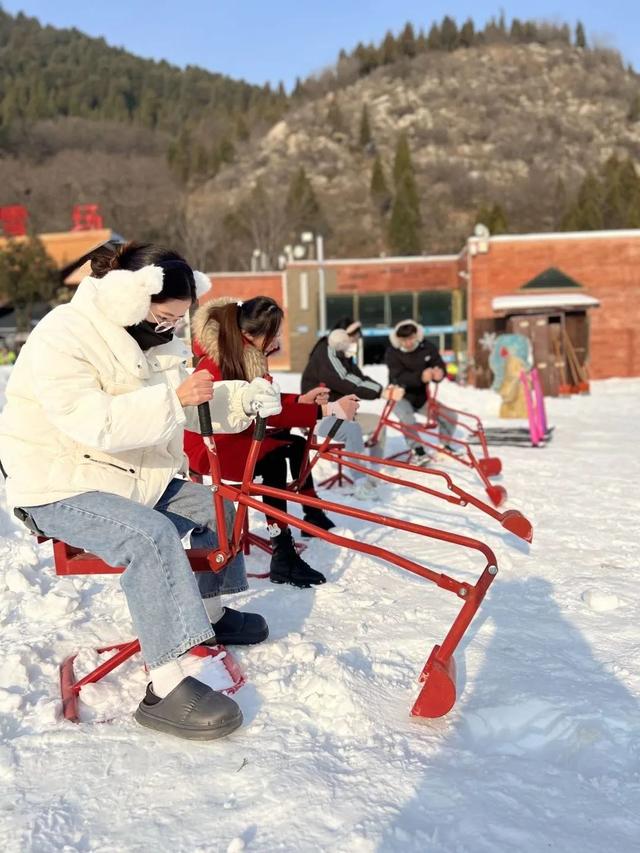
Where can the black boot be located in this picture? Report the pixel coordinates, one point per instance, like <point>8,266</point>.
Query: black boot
<point>237,628</point>
<point>287,566</point>
<point>316,516</point>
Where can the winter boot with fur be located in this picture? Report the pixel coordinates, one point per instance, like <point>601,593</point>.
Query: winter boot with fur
<point>287,566</point>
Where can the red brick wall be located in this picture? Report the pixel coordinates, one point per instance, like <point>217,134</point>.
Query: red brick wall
<point>245,287</point>
<point>384,277</point>
<point>607,267</point>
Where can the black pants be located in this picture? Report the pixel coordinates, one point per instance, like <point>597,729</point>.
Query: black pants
<point>273,470</point>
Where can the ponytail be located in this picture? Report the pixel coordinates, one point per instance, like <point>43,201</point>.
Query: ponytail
<point>258,317</point>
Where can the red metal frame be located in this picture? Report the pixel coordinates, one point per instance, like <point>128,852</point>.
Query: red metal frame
<point>512,519</point>
<point>339,478</point>
<point>485,467</point>
<point>438,692</point>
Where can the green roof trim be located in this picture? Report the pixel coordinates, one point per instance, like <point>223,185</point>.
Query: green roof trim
<point>551,279</point>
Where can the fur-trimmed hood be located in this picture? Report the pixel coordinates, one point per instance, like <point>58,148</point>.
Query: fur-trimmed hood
<point>395,340</point>
<point>206,334</point>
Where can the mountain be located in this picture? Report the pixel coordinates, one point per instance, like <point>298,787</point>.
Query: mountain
<point>506,125</point>
<point>513,126</point>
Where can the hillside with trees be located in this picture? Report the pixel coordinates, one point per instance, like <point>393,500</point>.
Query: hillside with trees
<point>399,148</point>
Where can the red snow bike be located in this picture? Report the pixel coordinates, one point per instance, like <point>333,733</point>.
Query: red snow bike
<point>438,692</point>
<point>457,449</point>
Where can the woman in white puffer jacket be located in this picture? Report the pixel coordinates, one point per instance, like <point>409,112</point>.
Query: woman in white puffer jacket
<point>91,444</point>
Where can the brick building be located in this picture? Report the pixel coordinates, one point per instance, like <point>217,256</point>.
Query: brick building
<point>577,290</point>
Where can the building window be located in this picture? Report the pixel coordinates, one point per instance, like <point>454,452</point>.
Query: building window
<point>371,310</point>
<point>400,307</point>
<point>338,307</point>
<point>435,308</point>
<point>304,291</point>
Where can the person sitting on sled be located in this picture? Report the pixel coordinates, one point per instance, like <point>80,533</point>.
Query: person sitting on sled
<point>332,363</point>
<point>233,341</point>
<point>91,439</point>
<point>413,363</point>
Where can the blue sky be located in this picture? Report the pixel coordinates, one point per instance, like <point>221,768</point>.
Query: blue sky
<point>261,40</point>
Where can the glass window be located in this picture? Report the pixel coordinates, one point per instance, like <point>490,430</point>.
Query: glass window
<point>371,310</point>
<point>401,307</point>
<point>337,308</point>
<point>434,308</point>
<point>436,340</point>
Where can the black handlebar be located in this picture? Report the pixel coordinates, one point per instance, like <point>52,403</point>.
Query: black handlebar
<point>260,428</point>
<point>334,429</point>
<point>204,416</point>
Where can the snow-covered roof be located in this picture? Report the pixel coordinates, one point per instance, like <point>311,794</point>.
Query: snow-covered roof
<point>543,300</point>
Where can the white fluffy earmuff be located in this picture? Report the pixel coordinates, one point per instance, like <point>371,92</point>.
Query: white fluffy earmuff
<point>125,296</point>
<point>203,283</point>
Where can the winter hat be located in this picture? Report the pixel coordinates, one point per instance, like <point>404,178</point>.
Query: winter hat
<point>339,340</point>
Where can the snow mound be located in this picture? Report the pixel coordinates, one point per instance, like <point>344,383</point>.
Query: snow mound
<point>600,601</point>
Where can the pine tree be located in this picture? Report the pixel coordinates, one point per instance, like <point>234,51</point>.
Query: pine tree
<point>467,34</point>
<point>335,119</point>
<point>421,42</point>
<point>302,207</point>
<point>389,49</point>
<point>516,33</point>
<point>585,214</point>
<point>407,41</point>
<point>449,33</point>
<point>27,276</point>
<point>242,131</point>
<point>581,39</point>
<point>405,224</point>
<point>559,203</point>
<point>493,217</point>
<point>364,135</point>
<point>434,39</point>
<point>379,189</point>
<point>633,114</point>
<point>226,151</point>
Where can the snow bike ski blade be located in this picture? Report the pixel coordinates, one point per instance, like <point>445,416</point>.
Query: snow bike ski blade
<point>491,466</point>
<point>438,694</point>
<point>497,495</point>
<point>515,522</point>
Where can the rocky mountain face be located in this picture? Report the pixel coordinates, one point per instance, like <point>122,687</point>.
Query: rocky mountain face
<point>514,125</point>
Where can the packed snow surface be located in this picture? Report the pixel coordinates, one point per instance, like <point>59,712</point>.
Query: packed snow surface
<point>541,751</point>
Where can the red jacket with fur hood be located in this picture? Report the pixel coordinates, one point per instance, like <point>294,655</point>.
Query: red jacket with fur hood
<point>233,449</point>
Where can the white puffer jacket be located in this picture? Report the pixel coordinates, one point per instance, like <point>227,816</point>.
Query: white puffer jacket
<point>88,410</point>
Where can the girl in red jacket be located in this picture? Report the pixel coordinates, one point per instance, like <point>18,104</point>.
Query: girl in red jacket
<point>233,341</point>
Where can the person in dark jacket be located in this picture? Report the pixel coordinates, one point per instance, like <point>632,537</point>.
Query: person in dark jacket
<point>413,363</point>
<point>332,364</point>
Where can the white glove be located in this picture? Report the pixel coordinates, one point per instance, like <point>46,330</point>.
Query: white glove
<point>262,398</point>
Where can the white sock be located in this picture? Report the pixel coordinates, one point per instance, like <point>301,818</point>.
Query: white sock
<point>214,608</point>
<point>167,676</point>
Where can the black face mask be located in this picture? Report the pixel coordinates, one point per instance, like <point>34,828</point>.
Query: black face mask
<point>145,335</point>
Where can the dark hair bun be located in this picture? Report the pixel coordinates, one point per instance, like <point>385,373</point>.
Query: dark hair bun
<point>105,259</point>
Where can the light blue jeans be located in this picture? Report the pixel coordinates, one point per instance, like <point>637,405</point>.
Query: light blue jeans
<point>164,596</point>
<point>350,434</point>
<point>406,414</point>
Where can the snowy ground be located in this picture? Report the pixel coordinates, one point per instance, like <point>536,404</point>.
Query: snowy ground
<point>540,752</point>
